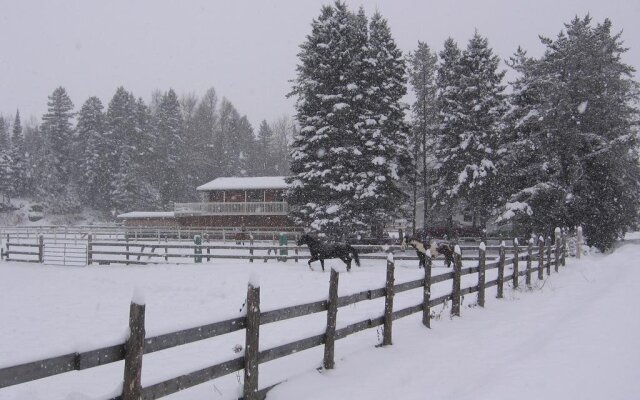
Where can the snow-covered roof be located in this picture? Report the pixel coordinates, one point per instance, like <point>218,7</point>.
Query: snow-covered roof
<point>242,183</point>
<point>147,214</point>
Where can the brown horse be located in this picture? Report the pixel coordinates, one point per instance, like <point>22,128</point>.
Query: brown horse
<point>436,248</point>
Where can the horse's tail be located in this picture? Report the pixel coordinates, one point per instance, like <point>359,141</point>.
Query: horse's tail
<point>354,252</point>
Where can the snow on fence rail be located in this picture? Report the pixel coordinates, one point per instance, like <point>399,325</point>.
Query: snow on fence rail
<point>133,349</point>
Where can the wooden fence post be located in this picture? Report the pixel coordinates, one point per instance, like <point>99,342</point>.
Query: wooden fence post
<point>455,292</point>
<point>252,340</point>
<point>501,272</point>
<point>40,248</point>
<point>388,302</point>
<point>127,248</point>
<point>89,249</point>
<point>6,254</point>
<point>541,257</point>
<point>251,250</point>
<point>426,296</point>
<point>332,315</point>
<point>579,243</point>
<point>134,348</point>
<point>548,255</point>
<point>481,273</point>
<point>564,248</point>
<point>558,249</point>
<point>529,259</point>
<point>516,255</point>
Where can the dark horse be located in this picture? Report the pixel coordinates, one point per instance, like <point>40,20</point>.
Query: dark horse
<point>422,243</point>
<point>321,251</point>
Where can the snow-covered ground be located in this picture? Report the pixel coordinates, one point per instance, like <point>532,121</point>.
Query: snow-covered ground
<point>575,335</point>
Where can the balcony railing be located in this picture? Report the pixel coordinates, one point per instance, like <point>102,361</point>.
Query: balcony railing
<point>249,208</point>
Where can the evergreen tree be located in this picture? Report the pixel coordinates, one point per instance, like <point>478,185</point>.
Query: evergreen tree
<point>585,104</point>
<point>53,177</point>
<point>264,145</point>
<point>168,124</point>
<point>58,130</point>
<point>17,154</point>
<point>245,148</point>
<point>471,128</point>
<point>233,142</point>
<point>131,147</point>
<point>385,155</point>
<point>206,123</point>
<point>348,154</point>
<point>5,139</point>
<point>94,177</point>
<point>34,152</point>
<point>323,179</point>
<point>422,72</point>
<point>6,162</point>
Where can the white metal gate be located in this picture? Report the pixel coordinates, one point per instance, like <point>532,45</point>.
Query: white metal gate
<point>64,253</point>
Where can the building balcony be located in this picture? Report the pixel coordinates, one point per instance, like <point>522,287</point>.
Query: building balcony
<point>231,208</point>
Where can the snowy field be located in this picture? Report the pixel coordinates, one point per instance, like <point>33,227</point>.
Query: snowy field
<point>575,335</point>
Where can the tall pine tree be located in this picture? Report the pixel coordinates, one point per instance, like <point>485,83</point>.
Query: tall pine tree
<point>472,123</point>
<point>422,74</point>
<point>348,155</point>
<point>584,99</point>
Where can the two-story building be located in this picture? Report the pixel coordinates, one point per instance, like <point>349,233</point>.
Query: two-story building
<point>226,202</point>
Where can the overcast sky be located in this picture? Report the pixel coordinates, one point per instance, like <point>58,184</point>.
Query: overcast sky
<point>246,50</point>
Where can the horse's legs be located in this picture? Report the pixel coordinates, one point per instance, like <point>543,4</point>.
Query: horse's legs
<point>313,258</point>
<point>347,260</point>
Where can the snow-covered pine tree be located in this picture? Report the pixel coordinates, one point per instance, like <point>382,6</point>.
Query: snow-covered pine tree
<point>588,115</point>
<point>58,131</point>
<point>263,151</point>
<point>5,139</point>
<point>222,143</point>
<point>383,132</point>
<point>326,152</point>
<point>168,124</point>
<point>470,137</point>
<point>526,163</point>
<point>206,121</point>
<point>130,140</point>
<point>190,161</point>
<point>34,151</point>
<point>17,152</point>
<point>351,147</point>
<point>53,177</point>
<point>94,177</point>
<point>6,162</point>
<point>422,74</point>
<point>450,118</point>
<point>244,144</point>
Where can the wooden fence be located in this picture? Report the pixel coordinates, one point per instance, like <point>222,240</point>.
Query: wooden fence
<point>536,260</point>
<point>105,252</point>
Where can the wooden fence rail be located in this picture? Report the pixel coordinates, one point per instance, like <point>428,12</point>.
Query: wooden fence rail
<point>137,345</point>
<point>133,253</point>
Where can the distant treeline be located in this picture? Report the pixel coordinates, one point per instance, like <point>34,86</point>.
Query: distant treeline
<point>133,155</point>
